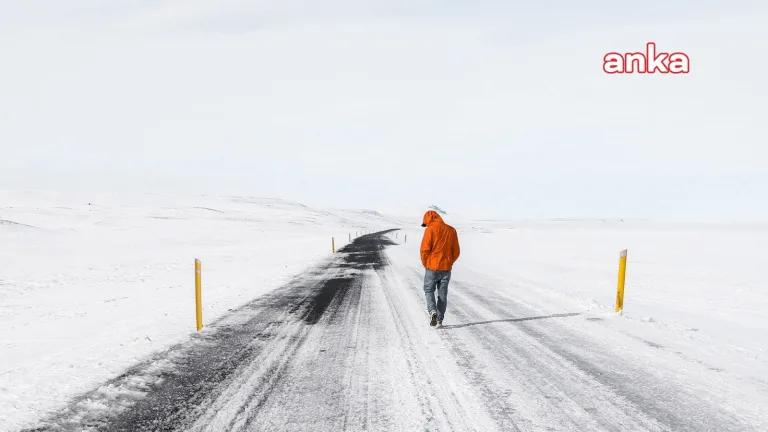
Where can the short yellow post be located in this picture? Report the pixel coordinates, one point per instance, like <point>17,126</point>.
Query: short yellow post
<point>333,245</point>
<point>198,294</point>
<point>350,237</point>
<point>622,276</point>
<point>406,239</point>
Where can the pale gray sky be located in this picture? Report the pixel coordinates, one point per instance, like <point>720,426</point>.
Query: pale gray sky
<point>487,108</point>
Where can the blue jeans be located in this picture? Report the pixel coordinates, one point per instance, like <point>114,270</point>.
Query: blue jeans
<point>437,280</point>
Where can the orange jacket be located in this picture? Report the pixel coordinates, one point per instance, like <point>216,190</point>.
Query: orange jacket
<point>440,244</point>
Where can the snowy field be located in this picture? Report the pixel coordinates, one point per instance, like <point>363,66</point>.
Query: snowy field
<point>91,285</point>
<point>698,287</point>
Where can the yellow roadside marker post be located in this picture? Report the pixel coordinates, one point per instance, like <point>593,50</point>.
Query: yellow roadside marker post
<point>198,294</point>
<point>622,277</point>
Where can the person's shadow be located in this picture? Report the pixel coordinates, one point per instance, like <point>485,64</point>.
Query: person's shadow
<point>564,315</point>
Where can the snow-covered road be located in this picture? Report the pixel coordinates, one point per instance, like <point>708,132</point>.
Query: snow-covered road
<point>347,346</point>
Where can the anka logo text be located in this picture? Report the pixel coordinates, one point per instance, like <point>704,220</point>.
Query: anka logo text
<point>649,62</point>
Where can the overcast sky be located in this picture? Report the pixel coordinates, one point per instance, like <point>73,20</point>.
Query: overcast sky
<point>485,108</point>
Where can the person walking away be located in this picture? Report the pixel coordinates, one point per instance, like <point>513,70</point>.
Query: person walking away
<point>439,251</point>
